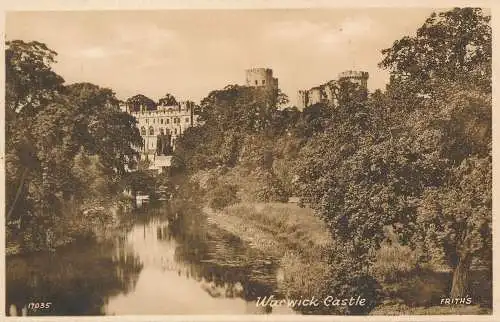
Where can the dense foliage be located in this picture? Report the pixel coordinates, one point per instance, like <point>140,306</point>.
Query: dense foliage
<point>416,157</point>
<point>236,138</point>
<point>65,145</point>
<point>137,101</point>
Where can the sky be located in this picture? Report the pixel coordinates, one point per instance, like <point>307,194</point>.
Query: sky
<point>188,53</point>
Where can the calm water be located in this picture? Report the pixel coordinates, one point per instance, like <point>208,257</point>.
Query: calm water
<point>163,264</point>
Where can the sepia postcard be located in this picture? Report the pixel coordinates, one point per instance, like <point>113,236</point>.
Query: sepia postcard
<point>247,161</point>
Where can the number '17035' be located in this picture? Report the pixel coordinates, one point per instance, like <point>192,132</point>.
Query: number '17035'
<point>39,305</point>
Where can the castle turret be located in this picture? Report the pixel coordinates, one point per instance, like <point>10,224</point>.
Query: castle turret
<point>258,77</point>
<point>357,77</point>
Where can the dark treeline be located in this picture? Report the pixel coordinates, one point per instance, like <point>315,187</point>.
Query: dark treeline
<point>410,165</point>
<point>68,148</point>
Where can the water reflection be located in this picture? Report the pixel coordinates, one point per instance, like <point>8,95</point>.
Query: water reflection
<point>199,242</point>
<point>168,263</point>
<point>77,280</point>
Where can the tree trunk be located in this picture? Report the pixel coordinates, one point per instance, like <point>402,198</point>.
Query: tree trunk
<point>460,284</point>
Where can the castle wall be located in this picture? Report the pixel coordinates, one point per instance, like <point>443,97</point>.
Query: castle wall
<point>314,95</point>
<point>327,92</point>
<point>302,99</point>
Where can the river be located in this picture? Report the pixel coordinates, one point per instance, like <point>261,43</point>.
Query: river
<point>162,263</point>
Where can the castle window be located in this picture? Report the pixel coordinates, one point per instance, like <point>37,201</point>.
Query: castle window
<point>151,131</point>
<point>263,81</point>
<point>187,119</point>
<point>168,121</point>
<point>161,121</point>
<point>153,121</point>
<point>143,130</point>
<point>175,131</point>
<point>256,82</point>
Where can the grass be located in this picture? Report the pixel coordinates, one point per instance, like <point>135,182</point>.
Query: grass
<point>275,227</point>
<point>394,262</point>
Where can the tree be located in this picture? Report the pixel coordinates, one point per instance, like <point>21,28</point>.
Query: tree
<point>281,99</point>
<point>406,157</point>
<point>137,101</point>
<point>340,176</point>
<point>453,46</point>
<point>248,109</point>
<point>443,77</point>
<point>31,88</point>
<point>50,129</point>
<point>103,129</point>
<point>30,81</point>
<point>314,119</point>
<point>167,100</point>
<point>285,120</point>
<point>227,116</point>
<point>457,218</point>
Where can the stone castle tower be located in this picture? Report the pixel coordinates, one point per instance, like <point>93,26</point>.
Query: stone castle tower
<point>354,76</point>
<point>258,77</point>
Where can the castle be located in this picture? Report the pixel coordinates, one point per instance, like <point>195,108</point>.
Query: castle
<point>327,92</point>
<point>261,77</point>
<point>161,127</point>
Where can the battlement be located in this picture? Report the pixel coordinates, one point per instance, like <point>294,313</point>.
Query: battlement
<point>260,70</point>
<point>183,106</point>
<point>353,74</point>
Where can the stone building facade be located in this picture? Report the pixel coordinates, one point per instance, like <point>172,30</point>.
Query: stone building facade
<point>327,92</point>
<point>163,123</point>
<point>261,77</point>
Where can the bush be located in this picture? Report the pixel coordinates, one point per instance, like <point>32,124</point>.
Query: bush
<point>349,277</point>
<point>300,277</point>
<point>221,196</point>
<point>425,288</point>
<point>394,262</point>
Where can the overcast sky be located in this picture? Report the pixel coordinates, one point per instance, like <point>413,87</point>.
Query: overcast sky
<point>189,53</point>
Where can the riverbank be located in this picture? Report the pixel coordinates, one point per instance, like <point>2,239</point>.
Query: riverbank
<point>297,239</point>
<point>99,218</point>
<point>274,228</point>
<point>300,241</point>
